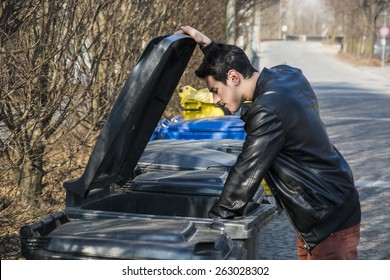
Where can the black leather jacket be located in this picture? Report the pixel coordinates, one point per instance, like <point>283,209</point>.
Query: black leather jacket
<point>287,143</point>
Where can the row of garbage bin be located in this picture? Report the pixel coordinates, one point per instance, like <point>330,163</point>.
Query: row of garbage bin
<point>134,201</point>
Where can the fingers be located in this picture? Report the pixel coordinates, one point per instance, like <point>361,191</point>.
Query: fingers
<point>189,30</point>
<point>179,32</point>
<point>199,37</point>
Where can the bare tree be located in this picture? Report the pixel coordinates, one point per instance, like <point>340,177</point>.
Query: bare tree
<point>248,18</point>
<point>62,65</point>
<point>271,17</point>
<point>358,19</point>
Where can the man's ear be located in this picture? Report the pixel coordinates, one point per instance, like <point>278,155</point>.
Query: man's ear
<point>233,76</point>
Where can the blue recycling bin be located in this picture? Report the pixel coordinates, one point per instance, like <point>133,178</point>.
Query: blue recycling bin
<point>209,128</point>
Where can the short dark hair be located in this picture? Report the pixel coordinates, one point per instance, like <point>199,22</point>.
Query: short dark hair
<point>220,59</point>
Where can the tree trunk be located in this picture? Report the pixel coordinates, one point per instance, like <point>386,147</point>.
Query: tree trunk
<point>370,16</point>
<point>30,162</point>
<point>370,40</point>
<point>30,180</point>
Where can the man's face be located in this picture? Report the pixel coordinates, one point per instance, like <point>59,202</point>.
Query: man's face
<point>224,95</point>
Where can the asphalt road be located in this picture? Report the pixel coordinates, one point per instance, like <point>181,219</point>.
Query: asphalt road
<point>354,104</point>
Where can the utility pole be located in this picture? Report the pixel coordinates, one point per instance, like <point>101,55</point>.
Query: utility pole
<point>384,32</point>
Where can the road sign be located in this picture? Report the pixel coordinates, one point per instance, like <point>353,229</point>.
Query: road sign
<point>384,31</point>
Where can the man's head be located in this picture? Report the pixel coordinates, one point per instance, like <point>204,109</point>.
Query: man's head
<point>225,69</point>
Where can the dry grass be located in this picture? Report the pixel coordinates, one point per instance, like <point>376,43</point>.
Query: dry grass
<point>14,215</point>
<point>376,62</point>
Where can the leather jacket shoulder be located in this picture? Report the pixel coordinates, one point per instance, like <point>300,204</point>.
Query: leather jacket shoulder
<point>287,144</point>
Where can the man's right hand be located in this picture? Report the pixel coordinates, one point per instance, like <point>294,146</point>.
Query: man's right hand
<point>198,36</point>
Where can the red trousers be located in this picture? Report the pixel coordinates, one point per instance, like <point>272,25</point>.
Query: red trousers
<point>340,245</point>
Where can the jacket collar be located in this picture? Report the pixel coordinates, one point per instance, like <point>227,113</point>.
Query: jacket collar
<point>259,89</point>
<point>264,77</point>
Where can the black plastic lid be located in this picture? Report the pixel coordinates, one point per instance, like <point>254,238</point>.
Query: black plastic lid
<point>135,114</point>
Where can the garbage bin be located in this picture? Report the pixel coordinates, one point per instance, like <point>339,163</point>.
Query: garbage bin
<point>219,154</point>
<point>176,157</point>
<point>105,219</point>
<point>198,103</point>
<point>61,237</point>
<point>194,182</point>
<point>224,131</point>
<point>223,127</point>
<point>230,146</point>
<point>180,164</point>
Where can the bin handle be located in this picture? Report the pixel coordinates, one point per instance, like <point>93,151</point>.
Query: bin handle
<point>192,109</point>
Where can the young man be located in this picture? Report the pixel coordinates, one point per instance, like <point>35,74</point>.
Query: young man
<point>287,144</point>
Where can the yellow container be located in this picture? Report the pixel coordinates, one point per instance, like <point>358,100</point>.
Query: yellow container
<point>198,103</point>
<point>266,188</point>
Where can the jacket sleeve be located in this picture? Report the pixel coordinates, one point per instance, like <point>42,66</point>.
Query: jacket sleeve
<point>264,140</point>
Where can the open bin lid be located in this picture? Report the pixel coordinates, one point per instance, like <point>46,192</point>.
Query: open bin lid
<point>135,114</point>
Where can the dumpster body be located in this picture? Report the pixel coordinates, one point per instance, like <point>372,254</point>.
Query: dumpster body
<point>106,217</point>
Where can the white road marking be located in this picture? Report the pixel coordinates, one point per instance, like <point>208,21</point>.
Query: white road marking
<point>382,184</point>
<point>356,119</point>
